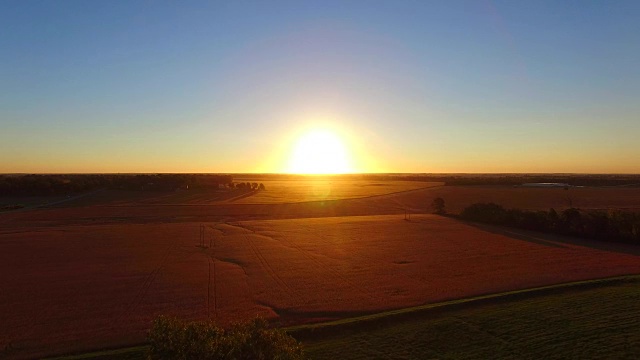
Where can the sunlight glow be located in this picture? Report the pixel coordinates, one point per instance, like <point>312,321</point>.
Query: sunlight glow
<point>320,151</point>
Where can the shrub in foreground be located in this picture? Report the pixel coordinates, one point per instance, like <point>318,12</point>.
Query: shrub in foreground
<point>170,338</point>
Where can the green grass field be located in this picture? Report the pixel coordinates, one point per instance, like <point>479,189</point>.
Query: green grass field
<point>595,320</point>
<point>602,323</point>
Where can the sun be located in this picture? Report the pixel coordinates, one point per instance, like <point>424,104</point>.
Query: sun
<point>320,151</point>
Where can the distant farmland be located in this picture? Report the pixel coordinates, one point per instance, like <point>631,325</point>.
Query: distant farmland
<point>277,191</point>
<point>318,190</point>
<point>93,271</point>
<point>95,286</point>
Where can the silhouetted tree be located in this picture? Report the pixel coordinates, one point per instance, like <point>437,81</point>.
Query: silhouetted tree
<point>572,220</point>
<point>553,219</point>
<point>438,206</point>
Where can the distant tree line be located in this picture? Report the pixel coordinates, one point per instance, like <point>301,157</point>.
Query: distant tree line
<point>510,179</point>
<point>247,186</point>
<point>575,180</point>
<point>612,225</point>
<point>67,184</point>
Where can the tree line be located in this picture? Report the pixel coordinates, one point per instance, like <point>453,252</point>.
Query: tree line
<point>68,184</point>
<point>510,179</point>
<point>247,186</point>
<point>611,225</point>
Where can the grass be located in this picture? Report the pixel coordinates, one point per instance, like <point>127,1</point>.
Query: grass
<point>601,322</point>
<point>130,353</point>
<point>587,319</point>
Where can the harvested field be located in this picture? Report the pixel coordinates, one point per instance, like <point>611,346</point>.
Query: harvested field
<point>79,287</point>
<point>120,208</point>
<point>29,201</point>
<point>286,191</point>
<point>137,198</point>
<point>92,272</point>
<point>277,192</point>
<point>459,197</point>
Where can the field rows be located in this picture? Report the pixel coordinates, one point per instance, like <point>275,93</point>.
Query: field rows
<point>596,323</point>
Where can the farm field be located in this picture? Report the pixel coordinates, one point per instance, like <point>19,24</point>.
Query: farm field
<point>236,179</point>
<point>339,197</point>
<point>403,196</point>
<point>113,207</point>
<point>283,191</point>
<point>28,201</point>
<point>278,191</point>
<point>459,197</point>
<point>81,287</point>
<point>598,323</point>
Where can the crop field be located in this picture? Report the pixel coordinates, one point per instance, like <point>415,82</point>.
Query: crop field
<point>596,323</point>
<point>28,201</point>
<point>593,320</point>
<point>279,191</point>
<point>93,271</point>
<point>459,197</point>
<point>358,198</point>
<point>405,194</point>
<point>79,287</point>
<point>120,207</point>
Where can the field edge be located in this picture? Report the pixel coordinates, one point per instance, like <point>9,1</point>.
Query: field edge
<point>334,328</point>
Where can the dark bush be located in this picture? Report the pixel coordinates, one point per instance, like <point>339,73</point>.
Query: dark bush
<point>170,338</point>
<point>486,212</point>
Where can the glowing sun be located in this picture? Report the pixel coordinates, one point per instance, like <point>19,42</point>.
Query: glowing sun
<point>320,152</point>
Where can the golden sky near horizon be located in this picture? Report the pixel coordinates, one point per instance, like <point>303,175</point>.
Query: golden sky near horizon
<point>317,87</point>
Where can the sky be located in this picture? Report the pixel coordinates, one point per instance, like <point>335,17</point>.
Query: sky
<point>408,86</point>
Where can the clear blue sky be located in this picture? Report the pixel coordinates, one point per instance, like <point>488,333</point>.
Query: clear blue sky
<point>416,86</point>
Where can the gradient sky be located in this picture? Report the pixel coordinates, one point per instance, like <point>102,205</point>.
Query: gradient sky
<point>227,86</point>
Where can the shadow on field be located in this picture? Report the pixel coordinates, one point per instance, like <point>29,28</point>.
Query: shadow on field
<point>556,240</point>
